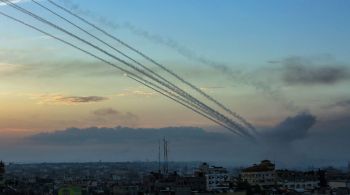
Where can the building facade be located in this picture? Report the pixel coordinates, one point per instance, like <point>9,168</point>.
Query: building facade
<point>216,178</point>
<point>298,180</point>
<point>2,173</point>
<point>263,174</point>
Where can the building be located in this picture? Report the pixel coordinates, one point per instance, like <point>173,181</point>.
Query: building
<point>263,174</point>
<point>334,174</point>
<point>298,180</point>
<point>174,183</point>
<point>216,178</point>
<point>192,183</point>
<point>125,190</point>
<point>337,184</point>
<point>337,179</point>
<point>70,190</point>
<point>2,173</point>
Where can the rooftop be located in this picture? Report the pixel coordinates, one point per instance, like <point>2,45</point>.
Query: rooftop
<point>265,165</point>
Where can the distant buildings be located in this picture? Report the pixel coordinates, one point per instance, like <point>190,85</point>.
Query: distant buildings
<point>267,177</point>
<point>136,178</point>
<point>173,183</point>
<point>206,178</point>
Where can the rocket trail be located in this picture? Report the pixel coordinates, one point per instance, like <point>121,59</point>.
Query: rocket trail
<point>232,113</point>
<point>180,92</point>
<point>113,48</point>
<point>129,74</point>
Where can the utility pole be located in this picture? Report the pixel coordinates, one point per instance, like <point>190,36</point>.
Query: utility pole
<point>159,165</point>
<point>165,153</point>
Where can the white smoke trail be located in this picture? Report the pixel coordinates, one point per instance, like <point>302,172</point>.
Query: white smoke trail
<point>190,54</point>
<point>194,101</point>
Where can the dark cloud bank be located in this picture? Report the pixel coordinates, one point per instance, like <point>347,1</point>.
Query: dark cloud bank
<point>300,140</point>
<point>307,71</point>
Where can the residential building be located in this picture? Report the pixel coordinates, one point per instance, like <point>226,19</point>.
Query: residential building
<point>263,174</point>
<point>298,180</point>
<point>217,178</point>
<point>2,173</point>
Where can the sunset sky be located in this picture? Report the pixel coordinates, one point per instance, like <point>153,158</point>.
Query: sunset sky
<point>266,61</point>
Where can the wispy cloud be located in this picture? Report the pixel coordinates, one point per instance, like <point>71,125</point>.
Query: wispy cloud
<point>211,88</point>
<point>137,93</point>
<point>345,103</point>
<point>6,68</point>
<point>13,1</point>
<point>30,63</point>
<point>111,114</point>
<point>342,104</point>
<point>68,100</point>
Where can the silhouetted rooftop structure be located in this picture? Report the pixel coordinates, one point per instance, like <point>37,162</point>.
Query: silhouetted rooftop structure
<point>265,165</point>
<point>2,167</point>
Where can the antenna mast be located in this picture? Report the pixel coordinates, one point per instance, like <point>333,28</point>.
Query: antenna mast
<point>166,166</point>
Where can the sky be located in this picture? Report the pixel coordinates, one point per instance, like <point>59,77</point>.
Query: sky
<point>269,62</point>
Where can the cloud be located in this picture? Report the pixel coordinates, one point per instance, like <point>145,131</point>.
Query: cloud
<point>113,116</point>
<point>211,88</point>
<point>28,63</point>
<point>82,99</point>
<point>25,66</point>
<point>137,93</point>
<point>342,104</point>
<point>130,144</point>
<point>185,143</point>
<point>308,71</point>
<point>290,143</point>
<point>68,100</point>
<point>124,135</point>
<point>13,1</point>
<point>106,112</point>
<point>335,117</point>
<point>8,68</point>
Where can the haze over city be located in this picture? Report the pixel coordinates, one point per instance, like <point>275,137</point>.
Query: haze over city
<point>280,66</point>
